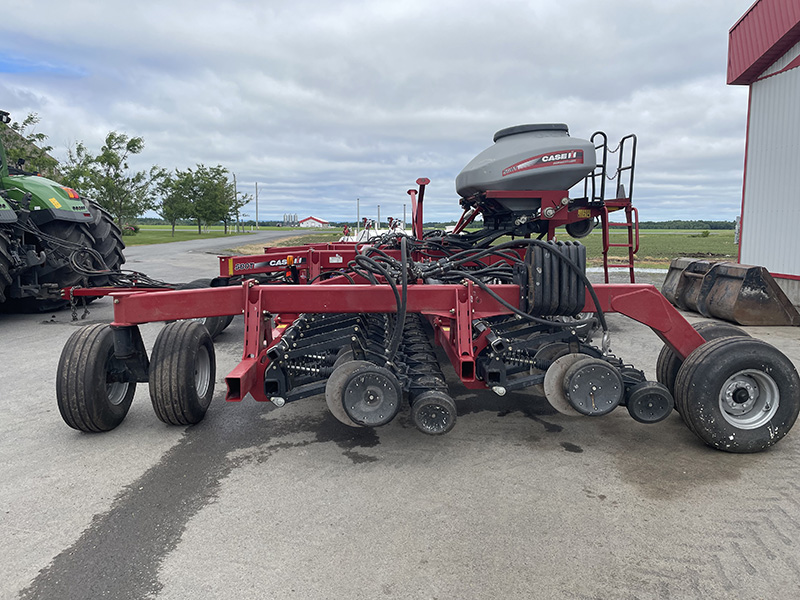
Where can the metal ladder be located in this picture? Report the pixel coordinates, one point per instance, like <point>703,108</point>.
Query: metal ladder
<point>623,201</point>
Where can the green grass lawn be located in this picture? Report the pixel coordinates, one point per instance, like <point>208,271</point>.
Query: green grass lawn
<point>163,236</point>
<point>656,247</point>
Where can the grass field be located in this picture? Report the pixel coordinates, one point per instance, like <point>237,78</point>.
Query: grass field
<point>657,247</point>
<point>162,234</point>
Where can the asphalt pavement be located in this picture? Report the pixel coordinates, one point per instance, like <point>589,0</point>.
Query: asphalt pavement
<point>518,501</point>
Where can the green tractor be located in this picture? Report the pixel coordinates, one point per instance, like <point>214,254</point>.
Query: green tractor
<point>50,239</point>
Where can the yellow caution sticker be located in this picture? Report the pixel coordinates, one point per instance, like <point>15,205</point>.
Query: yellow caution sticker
<point>55,203</point>
<point>584,213</point>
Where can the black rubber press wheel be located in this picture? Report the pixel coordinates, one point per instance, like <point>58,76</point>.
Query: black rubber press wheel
<point>360,393</point>
<point>182,372</point>
<point>738,394</point>
<point>92,390</point>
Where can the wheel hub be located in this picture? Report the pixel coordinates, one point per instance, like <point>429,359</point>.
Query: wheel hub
<point>749,399</point>
<point>741,394</point>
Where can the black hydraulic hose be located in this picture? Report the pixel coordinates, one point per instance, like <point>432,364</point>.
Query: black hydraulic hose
<point>519,312</point>
<point>456,261</point>
<point>400,320</point>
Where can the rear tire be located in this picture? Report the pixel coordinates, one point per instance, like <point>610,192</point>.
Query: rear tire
<point>91,390</point>
<point>669,363</point>
<point>107,241</point>
<point>738,394</point>
<point>57,268</point>
<point>182,372</point>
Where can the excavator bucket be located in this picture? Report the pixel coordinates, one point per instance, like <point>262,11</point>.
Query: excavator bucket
<point>743,294</point>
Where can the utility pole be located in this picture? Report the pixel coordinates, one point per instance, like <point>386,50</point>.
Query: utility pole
<point>379,216</point>
<point>256,206</point>
<point>358,215</point>
<point>235,200</point>
<point>404,215</point>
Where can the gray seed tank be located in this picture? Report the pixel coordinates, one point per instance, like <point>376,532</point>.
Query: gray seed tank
<point>528,157</point>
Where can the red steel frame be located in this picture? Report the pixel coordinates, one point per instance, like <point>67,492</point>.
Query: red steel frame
<point>452,308</point>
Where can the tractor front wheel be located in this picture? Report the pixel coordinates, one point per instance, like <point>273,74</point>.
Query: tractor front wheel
<point>182,372</point>
<point>92,387</point>
<point>738,394</point>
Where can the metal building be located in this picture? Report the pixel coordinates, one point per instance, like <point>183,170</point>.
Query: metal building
<point>764,53</point>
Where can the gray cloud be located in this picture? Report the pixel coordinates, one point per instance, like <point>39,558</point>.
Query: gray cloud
<point>323,102</point>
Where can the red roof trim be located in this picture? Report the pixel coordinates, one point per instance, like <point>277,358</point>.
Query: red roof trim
<point>792,65</point>
<point>764,34</point>
<point>314,219</point>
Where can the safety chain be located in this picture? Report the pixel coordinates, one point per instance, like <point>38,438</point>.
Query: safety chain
<point>73,304</point>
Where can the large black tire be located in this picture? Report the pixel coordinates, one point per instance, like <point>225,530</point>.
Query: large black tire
<point>182,372</point>
<point>738,394</point>
<point>107,241</point>
<point>5,266</point>
<point>57,268</point>
<point>91,388</point>
<point>668,362</point>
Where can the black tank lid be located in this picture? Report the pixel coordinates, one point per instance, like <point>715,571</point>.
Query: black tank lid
<point>528,128</point>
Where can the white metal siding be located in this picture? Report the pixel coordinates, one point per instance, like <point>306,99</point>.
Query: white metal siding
<point>783,61</point>
<point>771,216</point>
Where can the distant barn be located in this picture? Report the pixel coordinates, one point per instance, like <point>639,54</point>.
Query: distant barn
<point>313,222</point>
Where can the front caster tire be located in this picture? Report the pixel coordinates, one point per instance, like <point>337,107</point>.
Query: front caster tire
<point>182,372</point>
<point>92,390</point>
<point>738,394</point>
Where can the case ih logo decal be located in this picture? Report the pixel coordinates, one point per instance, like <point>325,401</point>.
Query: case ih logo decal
<point>281,262</point>
<point>551,159</point>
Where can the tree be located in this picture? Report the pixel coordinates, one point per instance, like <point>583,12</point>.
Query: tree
<point>108,179</point>
<point>176,191</point>
<point>214,191</point>
<point>203,194</point>
<point>23,142</point>
<point>238,201</point>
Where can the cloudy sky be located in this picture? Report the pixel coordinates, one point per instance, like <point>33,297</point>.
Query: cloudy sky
<point>322,102</point>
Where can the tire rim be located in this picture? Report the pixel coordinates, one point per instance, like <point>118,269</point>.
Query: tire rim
<point>202,371</point>
<point>116,391</point>
<point>749,399</point>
